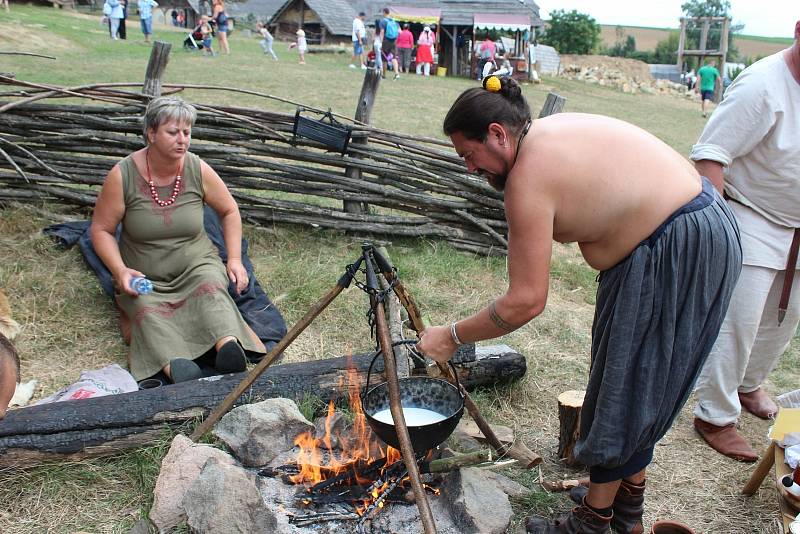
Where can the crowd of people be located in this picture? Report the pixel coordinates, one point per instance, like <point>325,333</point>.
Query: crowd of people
<point>390,46</point>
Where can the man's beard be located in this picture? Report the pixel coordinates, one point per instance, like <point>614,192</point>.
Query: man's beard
<point>497,181</point>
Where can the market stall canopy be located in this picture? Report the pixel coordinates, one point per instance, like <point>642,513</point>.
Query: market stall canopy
<point>496,21</point>
<point>415,14</point>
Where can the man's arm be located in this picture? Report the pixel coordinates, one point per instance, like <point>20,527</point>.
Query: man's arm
<point>530,219</point>
<point>713,170</point>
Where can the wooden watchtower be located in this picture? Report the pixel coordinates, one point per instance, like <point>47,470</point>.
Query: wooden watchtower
<point>702,52</point>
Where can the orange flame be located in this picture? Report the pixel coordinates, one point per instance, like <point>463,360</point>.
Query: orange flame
<point>318,460</point>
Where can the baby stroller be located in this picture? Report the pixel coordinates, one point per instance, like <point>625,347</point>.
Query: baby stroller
<point>194,41</point>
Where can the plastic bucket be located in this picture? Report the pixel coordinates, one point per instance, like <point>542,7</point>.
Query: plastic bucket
<point>441,71</point>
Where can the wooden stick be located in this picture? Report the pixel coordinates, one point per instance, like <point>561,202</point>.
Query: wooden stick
<point>443,465</point>
<point>251,377</point>
<point>556,486</point>
<point>395,404</point>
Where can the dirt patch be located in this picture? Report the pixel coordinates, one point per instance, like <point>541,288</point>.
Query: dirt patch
<point>630,68</point>
<point>34,38</point>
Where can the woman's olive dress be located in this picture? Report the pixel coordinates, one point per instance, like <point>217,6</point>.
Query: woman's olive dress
<point>189,308</point>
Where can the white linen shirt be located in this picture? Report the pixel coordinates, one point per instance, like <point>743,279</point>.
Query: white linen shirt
<point>755,134</point>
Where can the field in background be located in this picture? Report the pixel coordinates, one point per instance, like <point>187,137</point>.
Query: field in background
<point>647,38</point>
<point>69,324</point>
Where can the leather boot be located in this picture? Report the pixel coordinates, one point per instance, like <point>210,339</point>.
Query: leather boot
<point>628,506</point>
<point>581,520</point>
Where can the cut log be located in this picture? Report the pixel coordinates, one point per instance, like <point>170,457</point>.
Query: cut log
<point>569,424</point>
<point>105,425</point>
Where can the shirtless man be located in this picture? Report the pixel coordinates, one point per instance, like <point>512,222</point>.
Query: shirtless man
<point>669,255</point>
<point>9,373</point>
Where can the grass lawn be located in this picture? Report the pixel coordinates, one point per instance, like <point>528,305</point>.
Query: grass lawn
<point>69,324</point>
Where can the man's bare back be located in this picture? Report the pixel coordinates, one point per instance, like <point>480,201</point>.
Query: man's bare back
<point>603,194</point>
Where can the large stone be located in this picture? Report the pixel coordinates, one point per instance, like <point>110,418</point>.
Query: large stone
<point>477,505</point>
<point>510,487</point>
<point>224,499</point>
<point>256,433</point>
<point>179,468</point>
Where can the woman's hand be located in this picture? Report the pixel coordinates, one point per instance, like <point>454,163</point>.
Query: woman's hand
<point>237,275</point>
<point>435,343</point>
<point>123,279</point>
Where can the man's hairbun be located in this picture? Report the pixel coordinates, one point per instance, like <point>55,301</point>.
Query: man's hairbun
<point>510,88</point>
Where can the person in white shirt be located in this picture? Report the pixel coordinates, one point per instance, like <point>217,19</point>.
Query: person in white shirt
<point>146,17</point>
<point>359,38</point>
<point>750,149</point>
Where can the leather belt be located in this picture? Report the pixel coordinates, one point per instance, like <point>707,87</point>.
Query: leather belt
<point>788,276</point>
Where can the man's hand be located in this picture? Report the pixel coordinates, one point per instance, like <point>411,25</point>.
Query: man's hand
<point>436,343</point>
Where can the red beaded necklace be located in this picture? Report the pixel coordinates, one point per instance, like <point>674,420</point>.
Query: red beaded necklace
<point>154,193</point>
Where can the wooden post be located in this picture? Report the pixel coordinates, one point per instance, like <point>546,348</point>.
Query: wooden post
<point>159,56</point>
<point>369,90</point>
<point>553,104</point>
<point>453,53</point>
<point>681,44</point>
<point>569,424</point>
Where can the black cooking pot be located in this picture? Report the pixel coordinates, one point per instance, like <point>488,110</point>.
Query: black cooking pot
<point>433,394</point>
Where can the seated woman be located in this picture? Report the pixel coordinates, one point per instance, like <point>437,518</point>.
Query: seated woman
<point>157,193</point>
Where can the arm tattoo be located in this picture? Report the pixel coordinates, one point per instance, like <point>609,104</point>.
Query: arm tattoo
<point>496,319</point>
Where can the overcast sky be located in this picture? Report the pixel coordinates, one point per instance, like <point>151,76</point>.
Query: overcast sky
<point>769,18</point>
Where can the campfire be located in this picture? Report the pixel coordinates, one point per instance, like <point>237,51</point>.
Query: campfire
<point>347,472</point>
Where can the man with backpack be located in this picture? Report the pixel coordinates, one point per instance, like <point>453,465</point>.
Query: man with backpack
<point>389,29</point>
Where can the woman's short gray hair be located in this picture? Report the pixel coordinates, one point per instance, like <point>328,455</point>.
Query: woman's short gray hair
<point>166,108</point>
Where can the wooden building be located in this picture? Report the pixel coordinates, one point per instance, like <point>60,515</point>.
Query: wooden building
<point>457,21</point>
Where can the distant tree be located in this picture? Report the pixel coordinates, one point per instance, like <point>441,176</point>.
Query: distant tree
<point>572,32</point>
<point>630,45</point>
<point>620,48</point>
<point>667,49</point>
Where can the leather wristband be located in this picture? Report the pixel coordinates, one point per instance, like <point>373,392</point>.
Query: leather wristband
<point>454,335</point>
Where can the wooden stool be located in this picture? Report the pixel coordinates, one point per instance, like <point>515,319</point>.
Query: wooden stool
<point>772,456</point>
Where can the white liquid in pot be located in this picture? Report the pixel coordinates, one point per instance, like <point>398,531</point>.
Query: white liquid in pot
<point>413,416</point>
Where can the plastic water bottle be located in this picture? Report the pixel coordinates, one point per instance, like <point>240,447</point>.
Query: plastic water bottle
<point>141,285</point>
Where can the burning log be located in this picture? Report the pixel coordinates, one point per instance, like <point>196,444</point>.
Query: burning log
<point>569,419</point>
<point>105,425</point>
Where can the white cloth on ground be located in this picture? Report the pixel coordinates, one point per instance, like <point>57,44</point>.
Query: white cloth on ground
<point>110,380</point>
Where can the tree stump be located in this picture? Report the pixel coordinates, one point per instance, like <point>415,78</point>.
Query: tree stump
<point>569,424</point>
